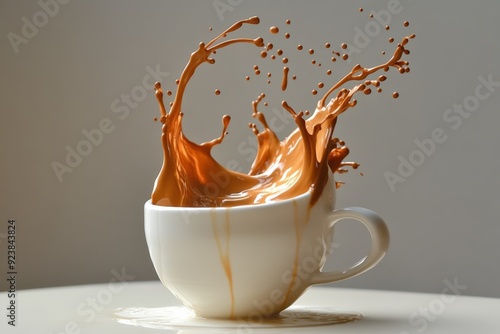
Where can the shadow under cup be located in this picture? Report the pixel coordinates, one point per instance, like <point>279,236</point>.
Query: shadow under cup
<point>252,260</point>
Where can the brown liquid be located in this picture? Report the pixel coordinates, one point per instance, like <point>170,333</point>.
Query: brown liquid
<point>191,177</point>
<point>284,81</point>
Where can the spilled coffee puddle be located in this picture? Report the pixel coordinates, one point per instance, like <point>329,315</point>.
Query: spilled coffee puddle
<point>179,317</point>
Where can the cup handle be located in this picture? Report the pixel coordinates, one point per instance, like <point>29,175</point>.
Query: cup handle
<point>380,242</point>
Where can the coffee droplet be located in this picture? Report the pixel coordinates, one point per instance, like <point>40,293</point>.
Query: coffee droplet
<point>406,23</point>
<point>299,47</point>
<point>263,54</point>
<point>327,45</point>
<point>395,95</point>
<point>287,21</point>
<point>274,30</point>
<point>217,92</point>
<point>343,46</point>
<point>287,35</point>
<point>387,27</point>
<point>360,10</point>
<point>311,51</point>
<point>391,39</point>
<point>284,81</point>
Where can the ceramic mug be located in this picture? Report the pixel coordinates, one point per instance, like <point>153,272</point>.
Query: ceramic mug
<point>252,260</point>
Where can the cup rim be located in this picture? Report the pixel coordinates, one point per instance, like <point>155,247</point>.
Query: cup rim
<point>301,197</point>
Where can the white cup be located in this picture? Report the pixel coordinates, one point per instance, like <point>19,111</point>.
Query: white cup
<point>252,261</point>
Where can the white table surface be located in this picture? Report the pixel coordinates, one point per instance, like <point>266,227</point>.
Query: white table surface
<point>68,310</point>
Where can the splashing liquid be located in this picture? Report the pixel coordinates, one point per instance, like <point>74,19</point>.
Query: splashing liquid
<point>281,170</point>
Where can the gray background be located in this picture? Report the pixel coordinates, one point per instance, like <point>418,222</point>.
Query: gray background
<point>74,71</point>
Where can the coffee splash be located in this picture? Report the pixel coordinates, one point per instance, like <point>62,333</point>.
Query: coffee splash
<point>281,170</point>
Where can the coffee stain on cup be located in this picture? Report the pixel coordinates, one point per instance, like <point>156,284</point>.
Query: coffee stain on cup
<point>298,237</point>
<point>222,235</point>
